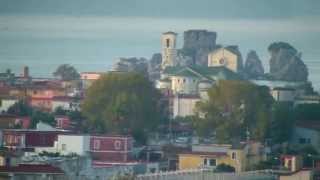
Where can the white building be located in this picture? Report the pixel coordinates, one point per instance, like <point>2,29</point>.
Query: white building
<point>169,51</point>
<point>193,79</point>
<point>68,144</point>
<point>185,105</point>
<point>87,78</point>
<point>66,103</point>
<point>282,94</point>
<point>7,102</point>
<point>228,57</point>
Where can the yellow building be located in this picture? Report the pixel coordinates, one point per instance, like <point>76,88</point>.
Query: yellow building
<point>228,57</point>
<point>209,156</point>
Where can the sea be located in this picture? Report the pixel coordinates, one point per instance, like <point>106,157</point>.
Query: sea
<point>94,43</point>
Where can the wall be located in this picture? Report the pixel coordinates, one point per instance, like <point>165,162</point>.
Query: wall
<point>6,103</point>
<point>231,60</point>
<point>300,132</point>
<point>184,106</point>
<point>301,175</point>
<point>169,53</point>
<point>184,85</point>
<point>283,95</point>
<point>78,144</point>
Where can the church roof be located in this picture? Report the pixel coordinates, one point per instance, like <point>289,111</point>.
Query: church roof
<point>232,49</point>
<point>170,32</point>
<point>202,72</point>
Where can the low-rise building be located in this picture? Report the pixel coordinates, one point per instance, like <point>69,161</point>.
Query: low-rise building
<point>111,149</point>
<point>27,139</point>
<point>6,103</point>
<point>65,102</point>
<point>291,162</point>
<point>87,78</point>
<point>283,94</point>
<point>31,171</point>
<point>63,122</point>
<point>240,157</point>
<point>73,144</point>
<point>306,133</point>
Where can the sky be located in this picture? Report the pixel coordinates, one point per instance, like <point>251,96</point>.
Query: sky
<point>92,34</point>
<point>167,8</point>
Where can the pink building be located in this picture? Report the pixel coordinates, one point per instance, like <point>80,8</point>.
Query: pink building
<point>111,148</point>
<point>29,139</point>
<point>63,122</point>
<point>24,122</point>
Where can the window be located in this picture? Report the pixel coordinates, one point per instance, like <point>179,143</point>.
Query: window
<point>212,162</point>
<point>234,155</point>
<point>184,80</point>
<point>205,161</point>
<point>117,145</point>
<point>168,43</point>
<point>302,140</point>
<point>63,147</point>
<point>209,162</point>
<point>96,144</point>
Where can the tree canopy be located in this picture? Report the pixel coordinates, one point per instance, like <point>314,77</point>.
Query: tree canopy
<point>66,72</point>
<point>233,108</point>
<point>122,103</point>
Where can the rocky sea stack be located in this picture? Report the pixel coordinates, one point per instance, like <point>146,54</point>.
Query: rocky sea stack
<point>286,63</point>
<point>253,67</point>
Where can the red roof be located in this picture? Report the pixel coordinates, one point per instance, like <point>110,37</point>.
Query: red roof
<point>31,168</point>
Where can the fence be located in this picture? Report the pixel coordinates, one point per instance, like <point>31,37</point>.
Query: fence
<point>208,175</point>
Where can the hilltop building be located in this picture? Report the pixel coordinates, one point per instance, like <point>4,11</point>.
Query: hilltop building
<point>229,57</point>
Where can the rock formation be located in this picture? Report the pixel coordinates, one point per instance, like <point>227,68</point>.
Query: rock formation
<point>253,67</point>
<point>131,65</point>
<point>198,44</point>
<point>286,63</point>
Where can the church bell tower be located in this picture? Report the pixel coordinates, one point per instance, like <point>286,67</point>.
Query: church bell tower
<point>169,51</point>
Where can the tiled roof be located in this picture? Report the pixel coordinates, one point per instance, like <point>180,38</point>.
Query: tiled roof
<point>219,72</point>
<point>31,168</point>
<point>170,32</point>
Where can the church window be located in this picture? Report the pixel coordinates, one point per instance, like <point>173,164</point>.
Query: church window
<point>168,42</point>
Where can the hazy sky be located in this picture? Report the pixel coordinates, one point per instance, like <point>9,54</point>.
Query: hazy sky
<point>91,34</point>
<point>167,8</point>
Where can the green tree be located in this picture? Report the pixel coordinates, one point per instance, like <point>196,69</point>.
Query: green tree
<point>282,122</point>
<point>307,112</point>
<point>122,103</point>
<point>45,117</point>
<point>20,108</point>
<point>232,108</point>
<point>66,72</point>
<point>224,168</point>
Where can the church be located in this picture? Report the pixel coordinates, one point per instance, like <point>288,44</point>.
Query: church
<point>223,64</point>
<point>189,84</point>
